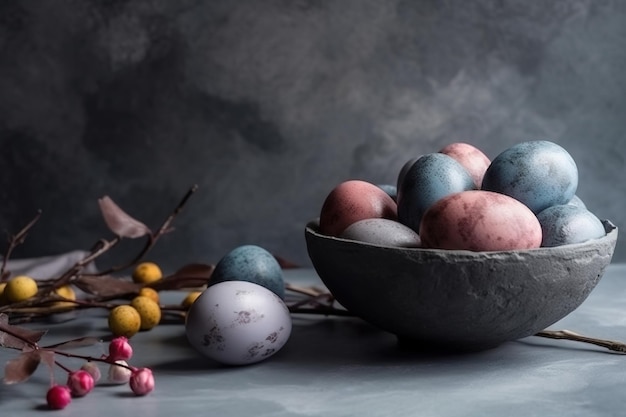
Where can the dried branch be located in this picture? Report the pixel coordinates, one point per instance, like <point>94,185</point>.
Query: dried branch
<point>14,241</point>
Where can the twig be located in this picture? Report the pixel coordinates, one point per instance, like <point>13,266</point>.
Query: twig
<point>165,227</point>
<point>569,335</point>
<point>14,241</point>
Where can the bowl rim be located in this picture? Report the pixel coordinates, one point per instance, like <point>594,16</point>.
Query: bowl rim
<point>312,228</point>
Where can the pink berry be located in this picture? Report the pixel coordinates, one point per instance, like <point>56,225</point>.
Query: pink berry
<point>58,397</point>
<point>142,381</point>
<point>93,370</point>
<point>120,349</point>
<point>80,383</point>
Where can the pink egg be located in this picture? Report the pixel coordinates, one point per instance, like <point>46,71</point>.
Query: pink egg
<point>480,220</point>
<point>472,159</point>
<point>352,201</point>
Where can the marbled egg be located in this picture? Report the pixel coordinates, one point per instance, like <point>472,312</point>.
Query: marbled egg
<point>539,173</point>
<point>382,232</point>
<point>352,201</point>
<point>565,224</point>
<point>479,220</point>
<point>430,178</point>
<point>472,159</point>
<point>253,264</point>
<point>238,323</point>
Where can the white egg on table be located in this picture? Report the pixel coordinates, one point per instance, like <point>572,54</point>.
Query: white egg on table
<point>238,323</point>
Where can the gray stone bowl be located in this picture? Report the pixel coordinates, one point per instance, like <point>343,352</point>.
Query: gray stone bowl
<point>459,300</point>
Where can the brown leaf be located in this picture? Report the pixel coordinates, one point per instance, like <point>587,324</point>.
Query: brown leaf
<point>15,337</point>
<point>107,286</point>
<point>21,368</point>
<point>192,275</point>
<point>285,264</point>
<point>119,221</point>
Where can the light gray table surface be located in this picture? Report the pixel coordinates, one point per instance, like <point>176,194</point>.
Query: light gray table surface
<point>344,367</point>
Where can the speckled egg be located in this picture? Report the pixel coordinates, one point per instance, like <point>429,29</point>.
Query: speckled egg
<point>540,174</point>
<point>479,220</point>
<point>382,232</point>
<point>253,264</point>
<point>430,178</point>
<point>390,189</point>
<point>238,323</point>
<point>405,168</point>
<point>565,224</point>
<point>352,201</point>
<point>472,159</point>
<point>577,201</point>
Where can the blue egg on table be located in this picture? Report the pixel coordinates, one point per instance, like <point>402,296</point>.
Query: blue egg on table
<point>565,224</point>
<point>251,263</point>
<point>430,178</point>
<point>539,173</point>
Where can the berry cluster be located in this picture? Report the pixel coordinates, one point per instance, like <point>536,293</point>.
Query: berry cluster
<point>82,381</point>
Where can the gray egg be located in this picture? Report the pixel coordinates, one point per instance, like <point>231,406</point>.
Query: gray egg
<point>576,201</point>
<point>565,224</point>
<point>382,232</point>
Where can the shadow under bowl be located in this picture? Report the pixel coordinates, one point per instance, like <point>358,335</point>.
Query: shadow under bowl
<point>459,300</point>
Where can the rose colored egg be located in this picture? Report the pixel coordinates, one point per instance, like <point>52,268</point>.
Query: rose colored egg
<point>352,201</point>
<point>479,220</point>
<point>472,159</point>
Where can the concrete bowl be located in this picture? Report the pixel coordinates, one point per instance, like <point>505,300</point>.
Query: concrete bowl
<point>459,300</point>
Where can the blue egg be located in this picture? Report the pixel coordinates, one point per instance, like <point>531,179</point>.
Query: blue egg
<point>539,173</point>
<point>430,178</point>
<point>251,263</point>
<point>576,201</point>
<point>564,224</point>
<point>391,190</point>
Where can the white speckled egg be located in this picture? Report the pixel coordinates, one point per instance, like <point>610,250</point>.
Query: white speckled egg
<point>238,323</point>
<point>382,232</point>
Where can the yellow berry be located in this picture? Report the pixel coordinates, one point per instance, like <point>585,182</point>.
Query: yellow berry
<point>147,272</point>
<point>2,297</point>
<point>190,298</point>
<point>150,293</point>
<point>20,288</point>
<point>124,320</point>
<point>149,311</point>
<point>66,292</point>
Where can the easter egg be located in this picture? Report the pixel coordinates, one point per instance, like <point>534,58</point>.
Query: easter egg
<point>472,159</point>
<point>382,232</point>
<point>478,220</point>
<point>352,201</point>
<point>238,323</point>
<point>430,178</point>
<point>540,174</point>
<point>253,264</point>
<point>567,223</point>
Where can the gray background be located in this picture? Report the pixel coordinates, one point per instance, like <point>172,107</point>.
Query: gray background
<point>267,105</point>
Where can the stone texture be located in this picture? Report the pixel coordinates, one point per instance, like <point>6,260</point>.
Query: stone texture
<point>268,105</point>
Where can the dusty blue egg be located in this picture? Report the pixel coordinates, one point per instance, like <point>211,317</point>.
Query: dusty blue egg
<point>405,168</point>
<point>564,224</point>
<point>391,190</point>
<point>382,232</point>
<point>251,263</point>
<point>431,177</point>
<point>539,173</point>
<point>576,201</point>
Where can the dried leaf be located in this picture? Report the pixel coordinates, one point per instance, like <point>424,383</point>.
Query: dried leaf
<point>189,276</point>
<point>107,286</point>
<point>21,368</point>
<point>119,221</point>
<point>75,343</point>
<point>15,337</point>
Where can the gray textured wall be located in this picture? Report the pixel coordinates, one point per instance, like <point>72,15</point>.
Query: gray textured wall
<point>269,104</point>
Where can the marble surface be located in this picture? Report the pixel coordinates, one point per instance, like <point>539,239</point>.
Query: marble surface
<point>267,105</point>
<point>345,367</point>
